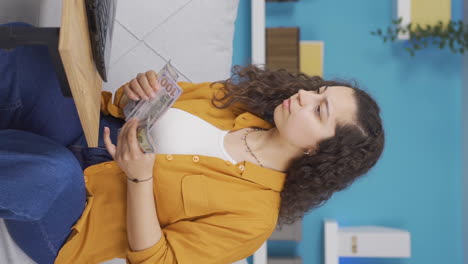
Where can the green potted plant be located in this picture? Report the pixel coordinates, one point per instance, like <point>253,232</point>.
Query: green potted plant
<point>452,35</point>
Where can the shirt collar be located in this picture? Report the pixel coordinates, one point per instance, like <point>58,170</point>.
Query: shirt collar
<point>267,177</point>
<point>250,120</point>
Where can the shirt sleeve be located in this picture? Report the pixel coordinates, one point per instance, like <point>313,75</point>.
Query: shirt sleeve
<point>218,239</point>
<point>112,108</point>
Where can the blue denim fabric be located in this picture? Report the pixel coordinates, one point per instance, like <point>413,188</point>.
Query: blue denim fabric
<point>31,98</point>
<point>42,191</point>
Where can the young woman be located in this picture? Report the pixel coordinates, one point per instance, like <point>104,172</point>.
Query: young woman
<point>234,160</point>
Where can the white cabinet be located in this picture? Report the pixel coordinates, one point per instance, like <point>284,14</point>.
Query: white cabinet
<point>258,31</point>
<point>364,241</point>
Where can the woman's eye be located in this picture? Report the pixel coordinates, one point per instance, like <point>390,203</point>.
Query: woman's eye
<point>318,110</point>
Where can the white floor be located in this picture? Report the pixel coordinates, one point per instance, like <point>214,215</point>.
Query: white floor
<point>196,35</point>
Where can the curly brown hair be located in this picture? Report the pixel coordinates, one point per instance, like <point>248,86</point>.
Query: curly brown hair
<point>336,163</point>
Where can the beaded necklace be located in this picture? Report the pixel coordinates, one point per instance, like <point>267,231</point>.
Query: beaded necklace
<point>248,148</point>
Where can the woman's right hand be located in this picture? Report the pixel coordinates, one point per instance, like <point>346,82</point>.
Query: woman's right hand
<point>144,86</point>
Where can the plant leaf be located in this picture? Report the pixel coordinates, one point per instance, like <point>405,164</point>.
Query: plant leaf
<point>411,52</point>
<point>450,28</point>
<point>442,45</point>
<point>451,43</point>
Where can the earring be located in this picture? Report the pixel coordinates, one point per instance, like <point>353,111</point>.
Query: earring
<point>307,152</point>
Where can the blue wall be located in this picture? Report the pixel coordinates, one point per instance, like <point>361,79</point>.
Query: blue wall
<point>416,185</point>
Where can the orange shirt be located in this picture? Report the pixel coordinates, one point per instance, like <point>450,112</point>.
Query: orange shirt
<point>210,211</point>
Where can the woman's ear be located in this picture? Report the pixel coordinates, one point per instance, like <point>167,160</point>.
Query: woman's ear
<point>309,151</point>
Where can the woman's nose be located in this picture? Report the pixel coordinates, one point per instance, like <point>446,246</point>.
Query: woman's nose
<point>306,97</point>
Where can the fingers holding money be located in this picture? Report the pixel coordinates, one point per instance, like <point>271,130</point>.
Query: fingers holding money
<point>122,145</point>
<point>128,154</point>
<point>132,95</point>
<point>153,80</point>
<point>136,88</point>
<point>145,85</point>
<point>132,144</point>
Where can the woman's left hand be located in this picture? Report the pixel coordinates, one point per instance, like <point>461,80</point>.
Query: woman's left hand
<point>128,155</point>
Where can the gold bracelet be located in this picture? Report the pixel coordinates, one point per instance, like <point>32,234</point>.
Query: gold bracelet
<point>137,181</point>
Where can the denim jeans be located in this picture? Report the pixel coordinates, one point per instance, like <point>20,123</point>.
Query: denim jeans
<point>42,153</point>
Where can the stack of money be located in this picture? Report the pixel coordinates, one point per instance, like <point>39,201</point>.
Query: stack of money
<point>149,111</point>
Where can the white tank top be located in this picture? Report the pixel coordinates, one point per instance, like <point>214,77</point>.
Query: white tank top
<point>180,132</point>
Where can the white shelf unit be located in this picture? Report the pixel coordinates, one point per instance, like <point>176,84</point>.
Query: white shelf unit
<point>258,57</point>
<point>364,241</point>
<point>403,10</point>
<point>258,31</point>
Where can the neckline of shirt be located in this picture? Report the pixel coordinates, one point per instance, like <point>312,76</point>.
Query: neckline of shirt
<point>223,149</point>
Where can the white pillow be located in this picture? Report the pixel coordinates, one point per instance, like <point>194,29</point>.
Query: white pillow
<point>197,38</point>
